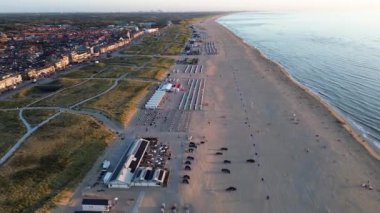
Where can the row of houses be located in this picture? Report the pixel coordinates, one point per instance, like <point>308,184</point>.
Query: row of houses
<point>112,47</point>
<point>48,70</point>
<point>10,81</point>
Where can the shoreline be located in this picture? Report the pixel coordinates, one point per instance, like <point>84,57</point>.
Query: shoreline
<point>348,126</point>
<point>310,163</point>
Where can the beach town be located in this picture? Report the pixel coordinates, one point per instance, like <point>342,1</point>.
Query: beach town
<point>222,129</point>
<point>234,142</point>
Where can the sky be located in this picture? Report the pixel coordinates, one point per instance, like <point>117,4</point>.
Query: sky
<point>7,6</point>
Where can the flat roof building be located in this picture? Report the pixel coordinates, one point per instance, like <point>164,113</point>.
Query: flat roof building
<point>96,205</point>
<point>129,171</point>
<point>155,100</point>
<point>124,172</point>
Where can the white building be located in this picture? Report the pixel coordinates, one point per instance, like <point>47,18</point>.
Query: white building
<point>96,205</point>
<point>147,176</point>
<point>155,100</point>
<point>123,175</point>
<point>166,87</point>
<point>151,30</point>
<point>129,173</point>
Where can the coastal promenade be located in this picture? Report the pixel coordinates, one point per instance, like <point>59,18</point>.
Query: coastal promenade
<point>305,161</point>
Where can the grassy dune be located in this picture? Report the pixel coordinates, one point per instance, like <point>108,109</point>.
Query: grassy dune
<point>10,130</point>
<point>35,117</point>
<point>150,73</point>
<point>155,69</point>
<point>73,95</point>
<point>87,71</point>
<point>121,100</point>
<point>169,41</point>
<point>115,71</point>
<point>136,61</point>
<point>53,160</point>
<point>28,95</point>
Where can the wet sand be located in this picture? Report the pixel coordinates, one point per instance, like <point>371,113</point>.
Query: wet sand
<point>308,160</point>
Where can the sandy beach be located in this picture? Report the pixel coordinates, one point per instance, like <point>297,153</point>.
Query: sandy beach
<point>305,160</point>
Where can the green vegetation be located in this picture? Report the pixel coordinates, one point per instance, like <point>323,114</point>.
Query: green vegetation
<point>52,161</point>
<point>137,61</point>
<point>44,89</point>
<point>122,100</point>
<point>28,95</point>
<point>36,116</point>
<point>8,104</point>
<point>115,71</point>
<point>87,71</point>
<point>76,94</point>
<point>161,62</point>
<point>150,73</point>
<point>155,69</point>
<point>11,128</point>
<point>183,34</point>
<point>169,41</point>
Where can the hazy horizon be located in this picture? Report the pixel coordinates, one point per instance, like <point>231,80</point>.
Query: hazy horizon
<point>77,6</point>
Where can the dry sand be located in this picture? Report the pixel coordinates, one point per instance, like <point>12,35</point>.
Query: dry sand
<point>308,160</point>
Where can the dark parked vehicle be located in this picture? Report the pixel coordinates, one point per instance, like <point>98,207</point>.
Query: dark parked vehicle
<point>227,171</point>
<point>226,161</point>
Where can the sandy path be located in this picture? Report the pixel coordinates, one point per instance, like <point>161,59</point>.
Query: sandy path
<point>308,161</point>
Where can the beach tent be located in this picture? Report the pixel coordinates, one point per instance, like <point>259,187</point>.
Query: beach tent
<point>155,100</point>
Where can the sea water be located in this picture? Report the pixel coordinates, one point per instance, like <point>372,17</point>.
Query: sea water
<point>335,54</point>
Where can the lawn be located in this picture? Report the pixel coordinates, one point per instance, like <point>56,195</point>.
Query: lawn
<point>76,94</point>
<point>52,161</point>
<point>36,116</point>
<point>122,101</point>
<point>11,129</point>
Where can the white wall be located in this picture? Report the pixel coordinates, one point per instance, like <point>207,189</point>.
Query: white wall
<point>94,208</point>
